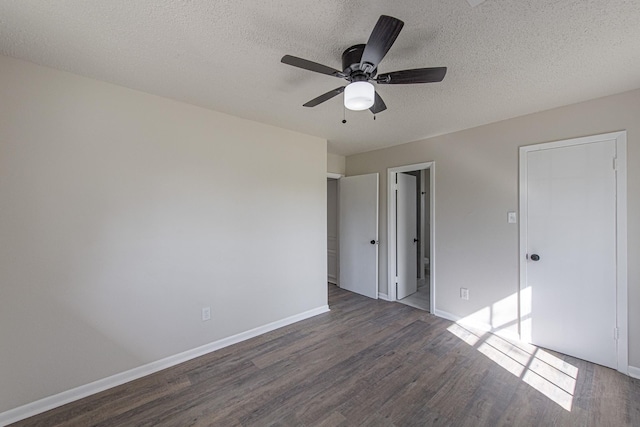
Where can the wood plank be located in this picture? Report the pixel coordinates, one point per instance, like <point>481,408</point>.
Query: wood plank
<point>367,362</point>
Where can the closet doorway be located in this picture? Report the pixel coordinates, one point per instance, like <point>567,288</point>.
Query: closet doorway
<point>333,241</point>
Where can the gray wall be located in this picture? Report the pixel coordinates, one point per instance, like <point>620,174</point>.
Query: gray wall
<point>476,184</point>
<point>336,164</point>
<point>123,214</point>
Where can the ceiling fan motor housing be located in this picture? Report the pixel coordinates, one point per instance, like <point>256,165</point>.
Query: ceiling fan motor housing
<point>351,64</point>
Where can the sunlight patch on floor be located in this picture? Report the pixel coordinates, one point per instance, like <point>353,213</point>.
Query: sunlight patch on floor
<point>499,317</point>
<point>548,374</point>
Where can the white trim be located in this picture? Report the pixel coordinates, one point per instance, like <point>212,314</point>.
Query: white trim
<point>42,405</point>
<point>383,296</point>
<point>622,321</point>
<point>634,372</point>
<point>391,229</point>
<point>524,304</point>
<point>621,236</point>
<point>446,315</point>
<point>432,236</point>
<point>332,175</point>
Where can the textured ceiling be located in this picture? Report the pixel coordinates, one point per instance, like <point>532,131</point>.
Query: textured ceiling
<point>505,57</point>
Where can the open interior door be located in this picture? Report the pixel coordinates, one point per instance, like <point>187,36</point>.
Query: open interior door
<point>359,234</point>
<point>406,235</point>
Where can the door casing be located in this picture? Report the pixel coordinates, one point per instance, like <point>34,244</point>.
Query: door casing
<point>621,235</point>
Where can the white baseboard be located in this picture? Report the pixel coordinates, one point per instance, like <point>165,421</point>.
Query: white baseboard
<point>383,296</point>
<point>51,402</point>
<point>446,315</point>
<point>634,372</point>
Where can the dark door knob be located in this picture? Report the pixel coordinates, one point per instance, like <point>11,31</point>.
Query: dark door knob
<point>373,242</point>
<point>535,257</point>
<point>415,240</point>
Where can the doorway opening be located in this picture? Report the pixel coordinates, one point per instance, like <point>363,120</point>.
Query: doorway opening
<point>410,231</point>
<point>333,242</point>
<point>352,233</point>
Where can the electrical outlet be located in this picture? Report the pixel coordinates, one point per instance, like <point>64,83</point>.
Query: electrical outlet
<point>206,313</point>
<point>464,293</point>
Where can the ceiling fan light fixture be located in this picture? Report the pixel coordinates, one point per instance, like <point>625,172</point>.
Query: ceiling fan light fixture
<point>360,65</point>
<point>359,96</point>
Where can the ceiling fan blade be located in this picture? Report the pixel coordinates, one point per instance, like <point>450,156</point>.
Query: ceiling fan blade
<point>418,75</point>
<point>378,105</point>
<point>324,97</point>
<point>380,41</point>
<point>310,65</point>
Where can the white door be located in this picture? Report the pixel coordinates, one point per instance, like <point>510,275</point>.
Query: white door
<point>406,235</point>
<point>570,275</point>
<point>359,234</point>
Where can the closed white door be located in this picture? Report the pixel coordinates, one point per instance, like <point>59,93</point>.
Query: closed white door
<point>570,220</point>
<point>359,234</point>
<point>406,235</point>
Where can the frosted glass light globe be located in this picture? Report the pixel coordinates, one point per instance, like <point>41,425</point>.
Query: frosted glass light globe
<point>359,96</point>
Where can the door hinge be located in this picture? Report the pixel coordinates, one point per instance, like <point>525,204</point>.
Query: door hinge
<point>616,333</point>
<point>615,163</point>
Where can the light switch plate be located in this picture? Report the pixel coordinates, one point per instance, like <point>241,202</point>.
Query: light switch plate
<point>512,217</point>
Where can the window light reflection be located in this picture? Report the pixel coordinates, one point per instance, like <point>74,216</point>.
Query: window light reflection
<point>546,373</point>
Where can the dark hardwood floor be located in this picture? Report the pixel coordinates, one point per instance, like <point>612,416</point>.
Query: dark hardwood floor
<point>370,363</point>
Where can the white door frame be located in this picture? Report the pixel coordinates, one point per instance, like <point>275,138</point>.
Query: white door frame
<point>391,229</point>
<point>621,235</point>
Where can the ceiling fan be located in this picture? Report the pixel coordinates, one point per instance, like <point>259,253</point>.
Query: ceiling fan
<point>360,66</point>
